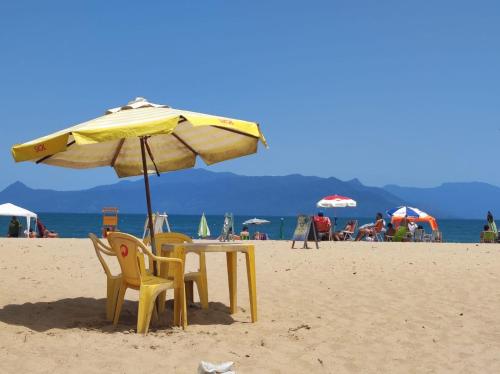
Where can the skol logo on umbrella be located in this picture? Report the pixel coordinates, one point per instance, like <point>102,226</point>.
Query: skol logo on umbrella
<point>124,250</point>
<point>40,148</point>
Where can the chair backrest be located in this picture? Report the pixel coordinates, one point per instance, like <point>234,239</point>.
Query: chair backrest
<point>101,248</point>
<point>169,237</point>
<point>129,251</point>
<point>165,238</point>
<point>418,235</point>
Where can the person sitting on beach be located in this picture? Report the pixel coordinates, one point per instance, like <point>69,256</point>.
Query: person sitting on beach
<point>491,223</point>
<point>256,236</point>
<point>14,227</point>
<point>244,234</point>
<point>401,234</point>
<point>323,226</point>
<point>371,229</point>
<point>412,226</point>
<point>342,235</point>
<point>43,232</point>
<point>389,234</point>
<point>486,229</point>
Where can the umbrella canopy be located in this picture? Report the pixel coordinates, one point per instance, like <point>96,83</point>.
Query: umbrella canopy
<point>203,229</point>
<point>406,211</point>
<point>174,139</point>
<point>411,214</point>
<point>256,221</point>
<point>336,201</point>
<point>121,138</point>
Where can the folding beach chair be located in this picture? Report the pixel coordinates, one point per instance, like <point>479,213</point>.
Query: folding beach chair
<point>349,234</point>
<point>437,236</point>
<point>418,235</point>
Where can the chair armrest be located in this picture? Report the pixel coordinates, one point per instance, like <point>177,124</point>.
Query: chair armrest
<point>166,259</point>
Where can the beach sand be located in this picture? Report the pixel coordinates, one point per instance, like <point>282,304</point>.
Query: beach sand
<point>345,308</point>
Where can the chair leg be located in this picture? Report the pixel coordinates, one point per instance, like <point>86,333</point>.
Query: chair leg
<point>176,307</point>
<point>119,302</point>
<point>182,294</point>
<point>113,287</point>
<point>162,298</point>
<point>147,299</point>
<point>189,291</point>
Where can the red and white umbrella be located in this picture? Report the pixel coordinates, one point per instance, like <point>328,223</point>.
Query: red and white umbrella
<point>336,201</point>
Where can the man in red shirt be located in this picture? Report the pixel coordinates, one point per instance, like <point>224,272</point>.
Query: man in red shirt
<point>323,226</point>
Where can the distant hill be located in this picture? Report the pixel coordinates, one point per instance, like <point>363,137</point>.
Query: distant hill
<point>452,200</point>
<point>197,190</point>
<point>194,191</point>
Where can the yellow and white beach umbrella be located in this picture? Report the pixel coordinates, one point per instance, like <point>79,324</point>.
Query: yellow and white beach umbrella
<point>174,138</point>
<point>121,138</point>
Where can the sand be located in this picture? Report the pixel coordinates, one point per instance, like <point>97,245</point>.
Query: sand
<point>345,308</point>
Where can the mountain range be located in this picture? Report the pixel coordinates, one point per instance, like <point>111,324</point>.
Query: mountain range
<point>194,191</point>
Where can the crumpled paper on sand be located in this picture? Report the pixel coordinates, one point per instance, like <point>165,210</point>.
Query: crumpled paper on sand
<point>222,368</point>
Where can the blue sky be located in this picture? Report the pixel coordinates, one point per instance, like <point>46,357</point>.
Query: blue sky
<point>386,91</point>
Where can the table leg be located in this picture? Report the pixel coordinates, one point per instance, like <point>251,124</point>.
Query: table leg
<point>252,286</point>
<point>232,277</point>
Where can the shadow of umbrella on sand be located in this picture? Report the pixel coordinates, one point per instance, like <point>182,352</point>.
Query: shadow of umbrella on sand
<point>141,138</point>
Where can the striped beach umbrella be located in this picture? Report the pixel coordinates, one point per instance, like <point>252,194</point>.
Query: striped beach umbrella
<point>142,138</point>
<point>336,201</point>
<point>406,211</point>
<point>203,229</point>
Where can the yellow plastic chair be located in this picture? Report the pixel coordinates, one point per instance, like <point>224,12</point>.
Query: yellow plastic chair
<point>113,281</point>
<point>199,277</point>
<point>130,253</point>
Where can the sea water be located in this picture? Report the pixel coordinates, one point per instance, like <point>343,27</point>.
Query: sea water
<point>73,225</point>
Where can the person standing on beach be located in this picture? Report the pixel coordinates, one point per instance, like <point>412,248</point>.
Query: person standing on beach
<point>491,223</point>
<point>13,228</point>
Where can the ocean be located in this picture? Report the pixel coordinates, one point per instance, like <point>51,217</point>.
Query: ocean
<point>73,225</point>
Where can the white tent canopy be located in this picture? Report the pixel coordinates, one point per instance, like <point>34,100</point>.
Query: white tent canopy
<point>12,210</point>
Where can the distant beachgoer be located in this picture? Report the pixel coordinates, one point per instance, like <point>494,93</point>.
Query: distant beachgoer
<point>40,228</point>
<point>43,232</point>
<point>389,234</point>
<point>402,231</point>
<point>342,235</point>
<point>244,234</point>
<point>412,226</point>
<point>373,228</point>
<point>491,223</point>
<point>323,226</point>
<point>14,227</point>
<point>486,228</point>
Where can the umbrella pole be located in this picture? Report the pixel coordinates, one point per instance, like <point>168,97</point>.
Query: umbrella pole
<point>148,201</point>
